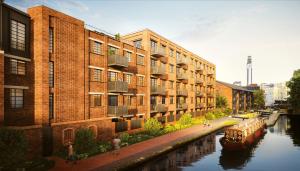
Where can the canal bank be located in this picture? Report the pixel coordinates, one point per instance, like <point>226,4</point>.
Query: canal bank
<point>143,151</point>
<point>272,119</point>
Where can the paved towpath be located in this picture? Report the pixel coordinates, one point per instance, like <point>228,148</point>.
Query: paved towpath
<point>140,151</point>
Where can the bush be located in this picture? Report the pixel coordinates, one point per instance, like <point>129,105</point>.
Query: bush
<point>152,126</point>
<point>197,121</point>
<point>227,111</point>
<point>185,120</point>
<point>85,141</point>
<point>13,146</point>
<point>210,116</point>
<point>104,146</point>
<point>169,128</point>
<point>124,137</point>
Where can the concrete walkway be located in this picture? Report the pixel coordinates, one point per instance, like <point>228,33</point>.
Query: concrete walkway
<point>272,119</point>
<point>141,151</point>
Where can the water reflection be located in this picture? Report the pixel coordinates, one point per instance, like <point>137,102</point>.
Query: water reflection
<point>238,159</point>
<point>183,156</point>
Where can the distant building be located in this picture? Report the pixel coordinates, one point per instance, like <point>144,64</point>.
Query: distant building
<point>238,83</point>
<point>252,87</point>
<point>249,70</point>
<point>239,98</point>
<point>274,92</point>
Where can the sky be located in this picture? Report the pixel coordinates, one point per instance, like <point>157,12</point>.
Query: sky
<point>223,32</point>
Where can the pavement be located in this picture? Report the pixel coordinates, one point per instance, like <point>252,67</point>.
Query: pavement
<point>133,154</point>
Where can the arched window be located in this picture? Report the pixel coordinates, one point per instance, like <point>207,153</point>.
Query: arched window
<point>68,136</point>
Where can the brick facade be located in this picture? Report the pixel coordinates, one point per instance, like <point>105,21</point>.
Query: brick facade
<point>1,87</point>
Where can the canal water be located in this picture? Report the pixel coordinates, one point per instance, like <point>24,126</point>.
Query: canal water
<point>277,150</point>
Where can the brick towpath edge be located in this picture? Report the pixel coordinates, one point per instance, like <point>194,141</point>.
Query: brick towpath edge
<point>140,151</point>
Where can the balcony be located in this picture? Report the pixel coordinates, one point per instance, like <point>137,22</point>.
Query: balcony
<point>117,111</point>
<point>181,61</point>
<point>182,106</point>
<point>199,94</point>
<point>158,70</point>
<point>210,94</point>
<point>182,92</point>
<point>199,81</point>
<point>199,68</point>
<point>158,52</point>
<point>209,84</point>
<point>210,105</point>
<point>158,90</point>
<point>199,105</point>
<point>182,76</point>
<point>117,86</point>
<point>158,108</point>
<point>210,73</point>
<point>117,60</point>
<point>163,59</point>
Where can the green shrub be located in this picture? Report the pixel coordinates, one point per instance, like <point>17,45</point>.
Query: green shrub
<point>152,126</point>
<point>124,137</point>
<point>210,116</point>
<point>85,141</point>
<point>185,120</point>
<point>169,128</point>
<point>104,146</point>
<point>197,121</point>
<point>13,146</point>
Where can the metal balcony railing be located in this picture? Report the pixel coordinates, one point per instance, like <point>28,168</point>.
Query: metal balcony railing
<point>182,76</point>
<point>117,111</point>
<point>181,61</point>
<point>210,94</point>
<point>199,105</point>
<point>117,86</point>
<point>158,108</point>
<point>117,60</point>
<point>209,83</point>
<point>158,90</point>
<point>158,70</point>
<point>158,52</point>
<point>199,81</point>
<point>199,68</point>
<point>182,106</point>
<point>199,93</point>
<point>181,92</point>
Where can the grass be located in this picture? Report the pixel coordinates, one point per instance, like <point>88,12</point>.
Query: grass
<point>230,123</point>
<point>248,115</point>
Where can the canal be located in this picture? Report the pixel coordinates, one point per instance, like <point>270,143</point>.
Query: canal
<point>278,149</point>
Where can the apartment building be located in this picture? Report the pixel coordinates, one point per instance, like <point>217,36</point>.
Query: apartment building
<point>16,83</point>
<point>180,81</point>
<point>84,78</point>
<point>239,99</point>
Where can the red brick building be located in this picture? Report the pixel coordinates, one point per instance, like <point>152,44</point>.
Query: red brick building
<point>239,99</point>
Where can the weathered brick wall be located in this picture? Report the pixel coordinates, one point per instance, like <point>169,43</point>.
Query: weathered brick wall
<point>1,87</point>
<point>225,91</point>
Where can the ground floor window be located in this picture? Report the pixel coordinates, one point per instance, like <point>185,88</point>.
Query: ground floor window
<point>16,98</point>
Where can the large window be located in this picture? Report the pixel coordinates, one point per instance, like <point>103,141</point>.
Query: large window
<point>171,52</point>
<point>128,78</point>
<point>140,81</point>
<point>112,100</point>
<point>138,43</point>
<point>51,106</point>
<point>128,56</point>
<point>96,48</point>
<point>17,39</point>
<point>141,100</point>
<point>17,67</point>
<point>112,50</point>
<point>153,45</point>
<point>96,75</point>
<point>95,100</point>
<point>171,84</point>
<point>127,100</point>
<point>171,68</point>
<point>16,98</point>
<point>51,74</point>
<point>51,39</point>
<point>140,60</point>
<point>171,99</point>
<point>112,76</point>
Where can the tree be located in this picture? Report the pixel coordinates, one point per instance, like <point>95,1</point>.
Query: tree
<point>259,99</point>
<point>294,92</point>
<point>221,101</point>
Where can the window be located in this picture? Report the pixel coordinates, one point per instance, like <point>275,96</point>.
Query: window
<point>192,87</point>
<point>95,100</point>
<point>112,76</point>
<point>68,136</point>
<point>163,100</point>
<point>17,33</point>
<point>128,56</point>
<point>96,48</point>
<point>51,106</point>
<point>17,67</point>
<point>51,39</point>
<point>140,81</point>
<point>171,68</point>
<point>127,100</point>
<point>112,100</point>
<point>51,74</point>
<point>171,99</point>
<point>16,98</point>
<point>192,100</point>
<point>112,50</point>
<point>138,43</point>
<point>141,100</point>
<point>153,44</point>
<point>171,84</point>
<point>96,75</point>
<point>140,60</point>
<point>128,78</point>
<point>171,52</point>
<point>177,55</point>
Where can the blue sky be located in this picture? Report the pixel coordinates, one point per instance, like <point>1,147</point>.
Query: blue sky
<point>223,32</point>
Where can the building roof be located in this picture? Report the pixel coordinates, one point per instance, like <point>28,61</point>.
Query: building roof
<point>235,87</point>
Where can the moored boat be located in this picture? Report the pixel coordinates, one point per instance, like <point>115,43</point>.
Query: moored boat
<point>240,136</point>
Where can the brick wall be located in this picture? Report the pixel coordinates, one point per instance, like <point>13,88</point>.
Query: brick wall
<point>1,87</point>
<point>225,91</point>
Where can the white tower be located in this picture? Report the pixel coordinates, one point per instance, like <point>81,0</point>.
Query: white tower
<point>249,70</point>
